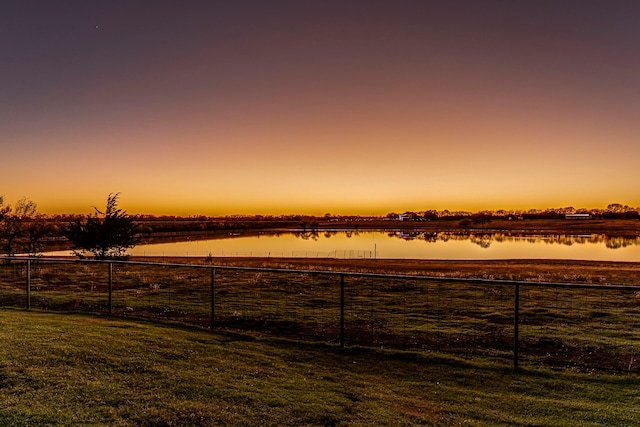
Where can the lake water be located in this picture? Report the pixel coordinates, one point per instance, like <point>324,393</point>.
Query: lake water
<point>390,244</point>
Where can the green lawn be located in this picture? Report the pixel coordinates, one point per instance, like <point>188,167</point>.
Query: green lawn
<point>72,369</point>
<point>569,328</point>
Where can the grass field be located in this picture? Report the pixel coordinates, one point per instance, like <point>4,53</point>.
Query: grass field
<point>71,369</point>
<point>582,329</point>
<point>539,270</point>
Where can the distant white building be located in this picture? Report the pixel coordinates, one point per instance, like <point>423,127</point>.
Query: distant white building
<point>578,216</point>
<point>404,217</point>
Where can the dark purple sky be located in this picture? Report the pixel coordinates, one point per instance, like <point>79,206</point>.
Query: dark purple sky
<point>342,106</point>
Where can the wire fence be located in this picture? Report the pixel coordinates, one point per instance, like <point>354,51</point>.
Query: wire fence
<point>575,326</point>
<point>153,252</point>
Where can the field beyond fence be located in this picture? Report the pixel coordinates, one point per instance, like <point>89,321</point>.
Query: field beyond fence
<point>582,327</point>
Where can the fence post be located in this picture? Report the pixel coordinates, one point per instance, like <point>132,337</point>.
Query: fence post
<point>516,324</point>
<point>213,297</point>
<point>342,310</point>
<point>28,284</point>
<point>110,288</point>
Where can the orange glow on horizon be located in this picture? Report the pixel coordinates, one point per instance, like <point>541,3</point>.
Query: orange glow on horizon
<point>321,107</point>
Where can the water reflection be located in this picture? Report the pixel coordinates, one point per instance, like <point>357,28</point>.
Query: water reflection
<point>484,240</point>
<point>306,235</point>
<point>402,244</point>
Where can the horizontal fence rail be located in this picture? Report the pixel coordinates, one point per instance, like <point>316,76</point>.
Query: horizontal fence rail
<point>576,326</point>
<point>335,254</point>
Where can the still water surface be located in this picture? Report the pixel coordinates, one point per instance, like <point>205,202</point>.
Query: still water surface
<point>377,244</point>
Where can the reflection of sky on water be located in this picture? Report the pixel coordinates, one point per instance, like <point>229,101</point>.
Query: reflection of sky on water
<point>391,244</point>
<point>407,245</point>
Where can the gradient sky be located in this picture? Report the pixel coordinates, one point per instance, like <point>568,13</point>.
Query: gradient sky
<point>276,107</point>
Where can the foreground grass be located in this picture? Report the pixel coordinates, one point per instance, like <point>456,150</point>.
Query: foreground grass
<point>62,369</point>
<point>582,329</point>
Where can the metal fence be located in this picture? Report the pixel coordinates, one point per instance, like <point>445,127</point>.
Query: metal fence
<point>150,251</point>
<point>575,326</point>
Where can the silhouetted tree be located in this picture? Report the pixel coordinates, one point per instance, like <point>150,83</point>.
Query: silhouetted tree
<point>616,207</point>
<point>481,218</point>
<point>15,225</point>
<point>107,234</point>
<point>36,229</point>
<point>430,215</point>
<point>3,209</point>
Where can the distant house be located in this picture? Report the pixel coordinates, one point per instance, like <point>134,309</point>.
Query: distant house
<point>578,216</point>
<point>404,217</point>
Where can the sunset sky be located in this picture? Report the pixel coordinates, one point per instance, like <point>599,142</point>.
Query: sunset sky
<point>348,107</point>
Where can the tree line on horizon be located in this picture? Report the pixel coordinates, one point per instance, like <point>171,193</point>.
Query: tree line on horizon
<point>612,211</point>
<point>25,208</point>
<point>108,233</point>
